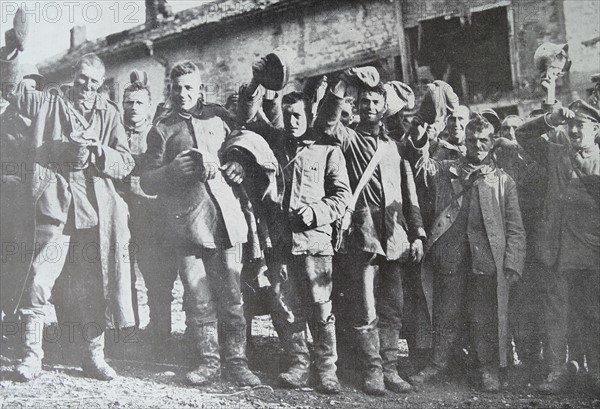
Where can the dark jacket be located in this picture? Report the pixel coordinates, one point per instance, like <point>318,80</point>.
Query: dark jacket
<point>556,159</point>
<point>402,223</point>
<point>214,199</point>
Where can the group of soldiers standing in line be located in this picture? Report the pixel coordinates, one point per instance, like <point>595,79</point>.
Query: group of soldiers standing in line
<point>450,230</point>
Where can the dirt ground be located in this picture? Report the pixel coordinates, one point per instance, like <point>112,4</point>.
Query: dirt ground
<point>148,381</point>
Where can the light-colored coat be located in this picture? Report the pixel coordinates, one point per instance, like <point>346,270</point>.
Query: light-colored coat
<point>501,216</point>
<point>51,125</point>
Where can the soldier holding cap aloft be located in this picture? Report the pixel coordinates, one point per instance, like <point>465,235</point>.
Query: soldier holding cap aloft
<point>569,242</point>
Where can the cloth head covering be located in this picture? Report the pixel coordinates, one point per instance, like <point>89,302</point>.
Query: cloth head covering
<point>399,96</point>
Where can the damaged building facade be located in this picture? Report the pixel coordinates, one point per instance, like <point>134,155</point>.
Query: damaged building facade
<point>483,48</point>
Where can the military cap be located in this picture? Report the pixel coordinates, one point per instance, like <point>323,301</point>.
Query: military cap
<point>585,112</point>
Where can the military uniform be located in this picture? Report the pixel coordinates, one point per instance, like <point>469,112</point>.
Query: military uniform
<point>203,232</point>
<point>385,222</point>
<point>568,240</point>
<point>477,235</point>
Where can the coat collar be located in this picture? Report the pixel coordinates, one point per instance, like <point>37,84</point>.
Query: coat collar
<point>137,128</point>
<point>196,112</point>
<point>100,103</point>
<point>461,168</point>
<point>383,132</point>
<point>305,140</point>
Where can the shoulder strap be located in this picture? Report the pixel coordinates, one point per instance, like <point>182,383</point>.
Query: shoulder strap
<point>366,175</point>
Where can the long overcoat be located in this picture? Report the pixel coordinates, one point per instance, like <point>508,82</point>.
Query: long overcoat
<point>502,220</point>
<point>52,122</point>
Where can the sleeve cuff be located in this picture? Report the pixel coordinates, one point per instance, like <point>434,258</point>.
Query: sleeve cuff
<point>419,233</point>
<point>270,95</point>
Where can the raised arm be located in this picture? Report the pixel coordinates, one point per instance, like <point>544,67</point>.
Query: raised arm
<point>426,169</point>
<point>327,123</point>
<point>410,204</point>
<point>529,135</point>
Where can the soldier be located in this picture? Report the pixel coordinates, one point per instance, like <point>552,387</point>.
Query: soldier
<point>450,144</point>
<point>568,240</point>
<point>204,226</point>
<point>77,148</point>
<point>300,228</point>
<point>143,212</point>
<point>385,229</point>
<point>508,127</point>
<point>476,248</point>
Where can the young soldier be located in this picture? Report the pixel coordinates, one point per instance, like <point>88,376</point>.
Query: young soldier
<point>143,212</point>
<point>315,194</point>
<point>204,226</point>
<point>526,296</point>
<point>386,230</point>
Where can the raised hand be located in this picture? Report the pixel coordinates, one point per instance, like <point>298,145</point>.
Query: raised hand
<point>439,100</point>
<point>258,69</point>
<point>560,115</point>
<point>16,37</point>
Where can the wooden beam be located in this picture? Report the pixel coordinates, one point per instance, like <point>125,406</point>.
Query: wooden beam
<point>513,47</point>
<point>402,45</point>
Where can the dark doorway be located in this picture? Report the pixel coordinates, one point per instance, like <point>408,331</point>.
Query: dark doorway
<point>471,54</point>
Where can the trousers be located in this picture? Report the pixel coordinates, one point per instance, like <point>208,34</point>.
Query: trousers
<point>301,288</point>
<point>370,290</point>
<point>69,261</point>
<point>211,282</point>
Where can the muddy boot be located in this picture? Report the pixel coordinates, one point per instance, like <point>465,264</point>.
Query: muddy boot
<point>235,369</point>
<point>490,381</point>
<point>368,345</point>
<point>93,363</point>
<point>388,349</point>
<point>30,366</point>
<point>324,342</point>
<point>205,344</point>
<point>297,358</point>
